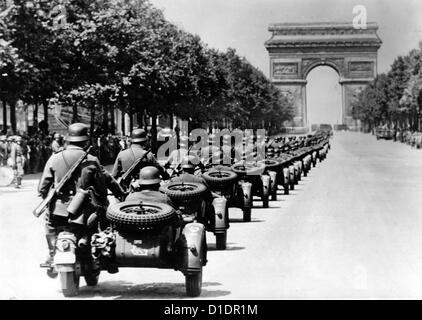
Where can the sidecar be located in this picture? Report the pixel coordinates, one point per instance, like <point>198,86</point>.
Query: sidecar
<point>141,235</point>
<point>194,200</point>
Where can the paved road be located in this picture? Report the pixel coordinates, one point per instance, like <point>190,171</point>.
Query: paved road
<point>351,229</point>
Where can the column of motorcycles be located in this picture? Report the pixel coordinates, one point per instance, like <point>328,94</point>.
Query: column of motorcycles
<point>157,235</point>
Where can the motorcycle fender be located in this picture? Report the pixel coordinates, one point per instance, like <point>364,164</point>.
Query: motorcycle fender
<point>65,267</point>
<point>193,246</point>
<point>273,176</point>
<point>286,175</point>
<point>265,183</point>
<point>247,194</point>
<point>292,173</point>
<point>220,208</point>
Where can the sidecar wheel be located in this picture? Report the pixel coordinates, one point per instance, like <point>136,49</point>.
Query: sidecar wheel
<point>265,202</point>
<point>193,283</point>
<point>91,278</point>
<point>221,240</point>
<point>70,283</point>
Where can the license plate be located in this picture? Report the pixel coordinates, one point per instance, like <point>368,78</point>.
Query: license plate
<point>138,251</point>
<point>64,258</point>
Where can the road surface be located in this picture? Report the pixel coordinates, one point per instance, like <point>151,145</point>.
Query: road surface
<point>351,229</point>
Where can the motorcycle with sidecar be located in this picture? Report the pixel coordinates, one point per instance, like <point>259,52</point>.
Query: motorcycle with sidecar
<point>132,234</point>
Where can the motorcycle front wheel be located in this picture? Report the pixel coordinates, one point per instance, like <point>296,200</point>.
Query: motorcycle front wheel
<point>70,283</point>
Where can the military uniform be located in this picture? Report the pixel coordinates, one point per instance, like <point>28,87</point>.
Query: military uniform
<point>126,158</point>
<point>56,146</point>
<point>147,187</point>
<point>89,176</point>
<point>3,151</point>
<point>150,196</point>
<point>18,156</point>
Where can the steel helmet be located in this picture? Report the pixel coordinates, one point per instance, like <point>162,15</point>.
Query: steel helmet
<point>149,175</point>
<point>77,132</point>
<point>139,135</point>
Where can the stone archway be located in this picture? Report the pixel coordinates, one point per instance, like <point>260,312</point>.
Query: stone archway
<point>295,49</point>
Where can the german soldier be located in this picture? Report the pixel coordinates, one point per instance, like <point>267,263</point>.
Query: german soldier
<point>3,150</point>
<point>18,154</point>
<point>126,158</point>
<point>147,187</point>
<point>90,176</point>
<point>57,144</point>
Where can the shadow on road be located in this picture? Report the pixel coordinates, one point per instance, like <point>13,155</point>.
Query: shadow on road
<point>154,290</point>
<point>240,220</point>
<point>212,247</point>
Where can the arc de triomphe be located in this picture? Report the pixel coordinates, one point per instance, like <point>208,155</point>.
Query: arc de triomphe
<point>297,48</point>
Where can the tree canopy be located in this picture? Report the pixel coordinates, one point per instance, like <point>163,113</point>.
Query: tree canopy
<point>124,54</point>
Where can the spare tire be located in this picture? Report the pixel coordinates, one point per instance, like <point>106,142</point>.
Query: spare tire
<point>219,176</point>
<point>183,190</point>
<point>138,215</point>
<point>249,168</point>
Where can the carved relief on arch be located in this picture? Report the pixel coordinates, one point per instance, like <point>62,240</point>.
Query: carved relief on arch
<point>310,63</point>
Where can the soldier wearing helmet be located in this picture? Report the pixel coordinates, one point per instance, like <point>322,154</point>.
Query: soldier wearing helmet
<point>188,164</point>
<point>18,156</point>
<point>91,176</point>
<point>204,207</point>
<point>177,155</point>
<point>3,150</point>
<point>57,144</point>
<point>146,188</point>
<point>126,158</point>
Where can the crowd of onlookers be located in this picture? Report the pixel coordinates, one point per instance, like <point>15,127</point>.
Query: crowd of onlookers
<point>39,147</point>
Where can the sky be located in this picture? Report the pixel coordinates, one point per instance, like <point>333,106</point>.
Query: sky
<point>243,24</point>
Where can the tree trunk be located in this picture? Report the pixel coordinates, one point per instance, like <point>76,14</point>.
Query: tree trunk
<point>92,120</point>
<point>4,115</point>
<point>45,107</point>
<point>130,121</point>
<point>145,116</point>
<point>139,119</point>
<point>35,116</point>
<point>13,116</point>
<point>105,119</point>
<point>112,124</point>
<point>154,132</point>
<point>123,124</point>
<point>75,117</point>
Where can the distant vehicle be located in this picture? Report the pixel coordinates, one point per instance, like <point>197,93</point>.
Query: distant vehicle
<point>341,127</point>
<point>384,133</point>
<point>323,127</point>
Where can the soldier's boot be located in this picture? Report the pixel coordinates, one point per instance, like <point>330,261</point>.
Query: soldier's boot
<point>51,243</point>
